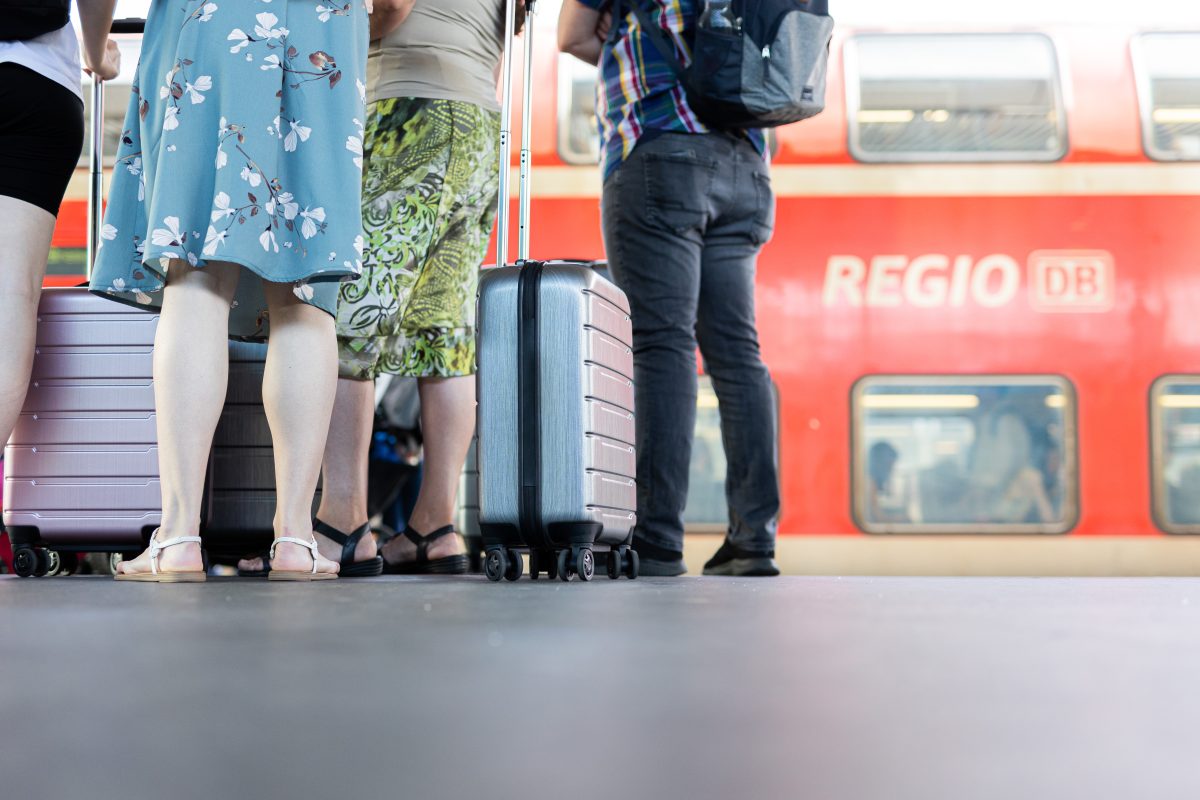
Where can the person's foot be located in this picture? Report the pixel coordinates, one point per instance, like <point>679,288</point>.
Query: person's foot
<point>735,562</point>
<point>402,550</point>
<point>329,549</point>
<point>658,562</point>
<point>292,557</point>
<point>185,557</point>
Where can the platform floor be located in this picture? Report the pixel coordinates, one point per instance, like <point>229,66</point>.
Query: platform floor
<point>813,688</point>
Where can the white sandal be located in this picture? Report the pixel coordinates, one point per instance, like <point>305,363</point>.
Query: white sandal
<point>154,576</point>
<point>294,574</point>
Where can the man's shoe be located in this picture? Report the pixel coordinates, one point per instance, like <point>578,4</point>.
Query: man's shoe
<point>658,562</point>
<point>734,562</point>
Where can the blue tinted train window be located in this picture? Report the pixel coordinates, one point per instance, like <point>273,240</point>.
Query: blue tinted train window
<point>964,454</point>
<point>1175,445</point>
<point>954,97</point>
<point>1168,77</point>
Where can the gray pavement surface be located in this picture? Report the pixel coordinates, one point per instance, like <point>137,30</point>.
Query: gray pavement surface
<point>700,688</point>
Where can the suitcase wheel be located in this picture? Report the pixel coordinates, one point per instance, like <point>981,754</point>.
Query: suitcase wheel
<point>516,566</point>
<point>585,564</point>
<point>495,564</point>
<point>29,562</point>
<point>563,565</point>
<point>632,565</point>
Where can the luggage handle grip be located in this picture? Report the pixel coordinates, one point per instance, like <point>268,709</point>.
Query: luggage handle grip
<point>95,208</point>
<point>502,201</point>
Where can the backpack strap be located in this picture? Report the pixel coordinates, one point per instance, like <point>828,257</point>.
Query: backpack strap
<point>656,36</point>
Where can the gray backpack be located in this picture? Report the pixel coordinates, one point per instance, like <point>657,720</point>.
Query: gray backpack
<point>765,67</point>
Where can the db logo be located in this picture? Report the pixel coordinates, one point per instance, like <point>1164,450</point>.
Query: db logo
<point>1078,281</point>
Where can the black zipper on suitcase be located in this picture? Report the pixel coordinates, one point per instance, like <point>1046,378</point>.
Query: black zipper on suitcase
<point>529,396</point>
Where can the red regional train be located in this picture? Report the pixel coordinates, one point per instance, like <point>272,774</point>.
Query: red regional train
<point>979,306</point>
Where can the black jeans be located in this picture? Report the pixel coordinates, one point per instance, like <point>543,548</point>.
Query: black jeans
<point>684,218</point>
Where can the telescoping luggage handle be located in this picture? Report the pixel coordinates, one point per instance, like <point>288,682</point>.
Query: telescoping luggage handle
<point>506,138</point>
<point>95,209</point>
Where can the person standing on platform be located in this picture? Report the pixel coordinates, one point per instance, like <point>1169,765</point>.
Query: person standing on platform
<point>41,133</point>
<point>235,209</point>
<point>685,211</point>
<point>431,174</point>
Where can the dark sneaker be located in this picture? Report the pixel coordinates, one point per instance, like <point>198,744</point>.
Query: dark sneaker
<point>658,562</point>
<point>735,562</point>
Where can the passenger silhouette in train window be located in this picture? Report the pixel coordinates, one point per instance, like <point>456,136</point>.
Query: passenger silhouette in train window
<point>1007,484</point>
<point>881,465</point>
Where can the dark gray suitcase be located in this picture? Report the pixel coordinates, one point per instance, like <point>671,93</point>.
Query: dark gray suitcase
<point>555,392</point>
<point>240,508</point>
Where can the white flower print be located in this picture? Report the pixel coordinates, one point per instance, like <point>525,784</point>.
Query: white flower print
<point>267,240</point>
<point>303,291</point>
<point>265,29</point>
<point>298,132</point>
<point>308,228</point>
<point>170,235</point>
<point>222,158</point>
<point>362,90</point>
<point>323,13</point>
<point>250,176</point>
<point>270,62</point>
<point>206,12</point>
<point>171,118</point>
<point>241,37</point>
<point>118,284</point>
<point>135,165</point>
<point>142,297</point>
<point>191,257</point>
<point>203,84</point>
<point>355,145</point>
<point>221,206</point>
<point>290,207</point>
<point>108,232</point>
<point>212,240</point>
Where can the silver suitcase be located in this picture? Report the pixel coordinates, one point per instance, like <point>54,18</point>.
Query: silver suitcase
<point>555,391</point>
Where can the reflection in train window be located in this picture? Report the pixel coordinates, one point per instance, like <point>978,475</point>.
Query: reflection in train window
<point>706,476</point>
<point>954,97</point>
<point>1168,74</point>
<point>1175,441</point>
<point>578,132</point>
<point>964,454</point>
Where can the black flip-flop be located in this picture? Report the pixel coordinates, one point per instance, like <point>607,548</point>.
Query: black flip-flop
<point>447,565</point>
<point>349,542</point>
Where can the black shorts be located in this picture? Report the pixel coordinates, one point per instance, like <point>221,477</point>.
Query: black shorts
<point>41,137</point>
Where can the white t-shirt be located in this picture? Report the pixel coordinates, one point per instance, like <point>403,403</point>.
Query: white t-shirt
<point>54,55</point>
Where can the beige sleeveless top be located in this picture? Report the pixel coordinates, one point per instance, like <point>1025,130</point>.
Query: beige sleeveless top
<point>445,49</point>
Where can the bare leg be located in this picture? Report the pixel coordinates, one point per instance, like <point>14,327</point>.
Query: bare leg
<point>191,369</point>
<point>298,390</point>
<point>22,265</point>
<point>448,422</point>
<point>344,473</point>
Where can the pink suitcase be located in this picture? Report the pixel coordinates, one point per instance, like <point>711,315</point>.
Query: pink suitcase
<point>81,468</point>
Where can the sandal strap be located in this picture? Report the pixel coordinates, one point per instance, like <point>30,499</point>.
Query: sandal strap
<point>311,544</point>
<point>348,541</point>
<point>423,541</point>
<point>157,547</point>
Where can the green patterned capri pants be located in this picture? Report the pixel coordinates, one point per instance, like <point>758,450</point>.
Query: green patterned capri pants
<point>430,178</point>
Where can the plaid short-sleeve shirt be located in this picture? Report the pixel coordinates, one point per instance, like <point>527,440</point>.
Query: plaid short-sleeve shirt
<point>638,92</point>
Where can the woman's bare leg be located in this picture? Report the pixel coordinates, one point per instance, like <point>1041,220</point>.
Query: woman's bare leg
<point>447,422</point>
<point>344,473</point>
<point>298,391</point>
<point>28,230</point>
<point>191,369</point>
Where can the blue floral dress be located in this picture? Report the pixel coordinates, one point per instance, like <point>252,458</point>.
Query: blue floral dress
<point>242,144</point>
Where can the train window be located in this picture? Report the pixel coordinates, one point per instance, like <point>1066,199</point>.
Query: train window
<point>706,509</point>
<point>954,97</point>
<point>964,454</point>
<point>578,132</point>
<point>1175,461</point>
<point>1168,76</point>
